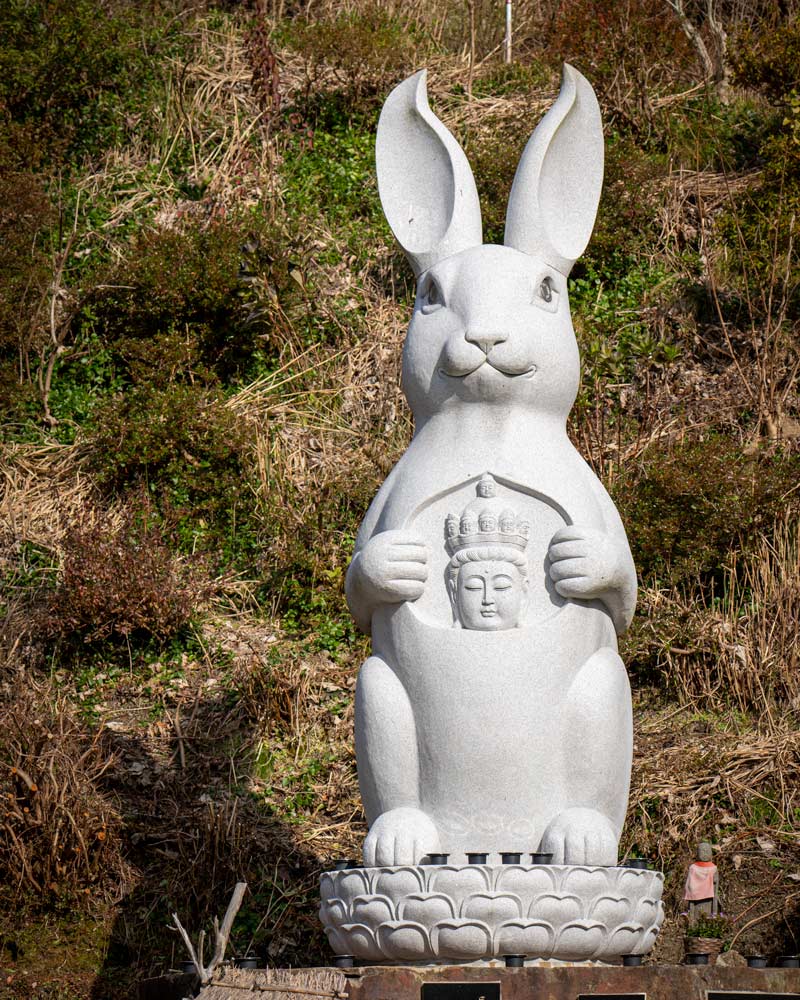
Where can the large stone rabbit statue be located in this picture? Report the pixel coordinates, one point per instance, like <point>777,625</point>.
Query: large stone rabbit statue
<point>492,569</point>
<point>494,716</point>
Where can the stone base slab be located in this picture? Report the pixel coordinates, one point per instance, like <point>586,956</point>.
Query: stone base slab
<point>434,914</point>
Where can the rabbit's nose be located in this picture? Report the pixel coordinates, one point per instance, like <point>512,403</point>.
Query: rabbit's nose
<point>486,339</point>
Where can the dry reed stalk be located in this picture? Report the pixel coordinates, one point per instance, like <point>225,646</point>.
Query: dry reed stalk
<point>741,650</point>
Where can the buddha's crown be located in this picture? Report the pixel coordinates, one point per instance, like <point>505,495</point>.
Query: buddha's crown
<point>485,521</point>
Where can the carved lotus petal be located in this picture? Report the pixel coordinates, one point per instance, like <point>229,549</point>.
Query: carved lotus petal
<point>351,883</point>
<point>491,908</point>
<point>556,909</point>
<point>404,939</point>
<point>633,882</point>
<point>649,938</point>
<point>397,883</point>
<point>580,939</point>
<point>625,940</point>
<point>426,908</point>
<point>333,911</point>
<point>372,909</point>
<point>327,886</point>
<point>526,882</point>
<point>360,941</point>
<point>465,939</point>
<point>524,937</point>
<point>611,910</point>
<point>586,882</point>
<point>338,940</point>
<point>458,883</point>
<point>647,911</point>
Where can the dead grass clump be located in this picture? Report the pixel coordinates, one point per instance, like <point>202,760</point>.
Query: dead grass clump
<point>740,648</point>
<point>59,835</point>
<point>122,579</point>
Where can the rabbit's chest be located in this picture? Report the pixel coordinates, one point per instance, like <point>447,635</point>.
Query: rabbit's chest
<point>488,520</point>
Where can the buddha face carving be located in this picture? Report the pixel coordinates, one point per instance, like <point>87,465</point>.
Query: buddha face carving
<point>488,573</point>
<point>488,593</point>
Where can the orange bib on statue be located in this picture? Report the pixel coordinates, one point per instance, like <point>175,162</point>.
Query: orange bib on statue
<point>700,880</point>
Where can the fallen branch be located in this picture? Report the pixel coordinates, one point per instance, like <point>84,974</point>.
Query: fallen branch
<point>221,935</point>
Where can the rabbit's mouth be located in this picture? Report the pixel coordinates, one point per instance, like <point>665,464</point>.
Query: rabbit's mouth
<point>527,373</point>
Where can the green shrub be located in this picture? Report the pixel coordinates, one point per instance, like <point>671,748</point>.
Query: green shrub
<point>200,302</point>
<point>70,71</point>
<point>610,311</point>
<point>688,506</point>
<point>188,450</point>
<point>332,174</point>
<point>768,58</point>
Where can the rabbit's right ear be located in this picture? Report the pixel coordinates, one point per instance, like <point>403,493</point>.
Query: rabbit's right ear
<point>426,186</point>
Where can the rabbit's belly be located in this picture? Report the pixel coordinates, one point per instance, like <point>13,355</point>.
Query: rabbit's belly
<point>489,709</point>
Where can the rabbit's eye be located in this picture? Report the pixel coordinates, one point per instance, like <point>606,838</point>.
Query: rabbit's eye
<point>546,296</point>
<point>432,297</point>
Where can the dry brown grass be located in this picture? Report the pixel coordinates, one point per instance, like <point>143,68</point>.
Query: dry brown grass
<point>59,834</point>
<point>741,648</point>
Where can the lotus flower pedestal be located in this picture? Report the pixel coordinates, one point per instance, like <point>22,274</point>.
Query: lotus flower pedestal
<point>477,914</point>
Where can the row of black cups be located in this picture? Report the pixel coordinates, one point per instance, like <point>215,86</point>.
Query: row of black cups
<point>506,857</point>
<point>753,961</point>
<point>511,961</point>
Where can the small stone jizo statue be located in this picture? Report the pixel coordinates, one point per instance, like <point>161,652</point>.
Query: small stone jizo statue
<point>702,886</point>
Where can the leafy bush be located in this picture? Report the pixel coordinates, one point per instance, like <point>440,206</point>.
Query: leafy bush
<point>199,300</point>
<point>689,506</point>
<point>188,450</point>
<point>614,325</point>
<point>70,71</point>
<point>121,582</point>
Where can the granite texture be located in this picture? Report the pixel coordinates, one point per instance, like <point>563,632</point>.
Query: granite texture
<point>492,569</point>
<point>473,913</point>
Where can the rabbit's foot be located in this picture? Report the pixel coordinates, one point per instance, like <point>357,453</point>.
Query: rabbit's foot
<point>580,837</point>
<point>401,837</point>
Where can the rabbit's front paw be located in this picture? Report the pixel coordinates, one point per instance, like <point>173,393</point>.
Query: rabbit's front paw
<point>401,837</point>
<point>394,567</point>
<point>580,837</point>
<point>585,563</point>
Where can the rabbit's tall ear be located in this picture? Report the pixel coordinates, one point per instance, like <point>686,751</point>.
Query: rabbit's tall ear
<point>556,190</point>
<point>425,183</point>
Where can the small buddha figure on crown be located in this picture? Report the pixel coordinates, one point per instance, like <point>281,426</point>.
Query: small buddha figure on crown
<point>702,885</point>
<point>488,571</point>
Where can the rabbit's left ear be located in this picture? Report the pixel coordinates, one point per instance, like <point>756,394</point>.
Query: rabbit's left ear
<point>425,183</point>
<point>556,190</point>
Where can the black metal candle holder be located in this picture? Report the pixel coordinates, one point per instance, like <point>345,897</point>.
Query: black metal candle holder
<point>188,967</point>
<point>246,962</point>
<point>631,960</point>
<point>697,958</point>
<point>476,858</point>
<point>789,961</point>
<point>640,863</point>
<point>344,961</point>
<point>541,858</point>
<point>510,858</point>
<point>438,859</point>
<point>756,961</point>
<point>514,961</point>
